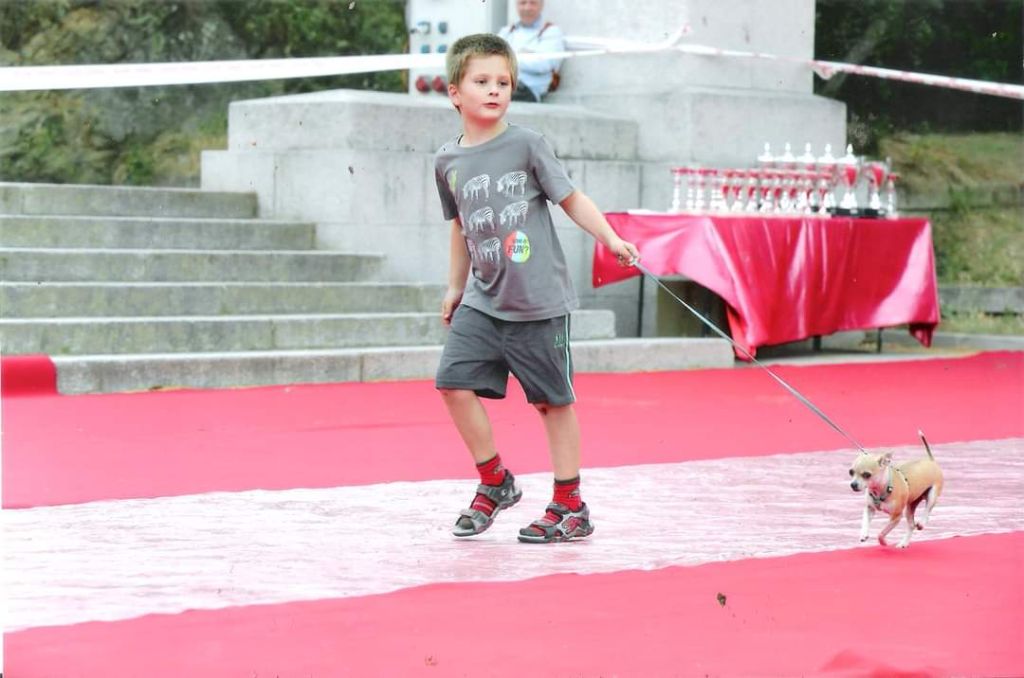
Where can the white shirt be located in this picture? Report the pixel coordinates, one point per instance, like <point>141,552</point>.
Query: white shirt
<point>528,38</point>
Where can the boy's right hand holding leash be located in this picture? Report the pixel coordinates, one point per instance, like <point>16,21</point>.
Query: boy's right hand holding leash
<point>626,252</point>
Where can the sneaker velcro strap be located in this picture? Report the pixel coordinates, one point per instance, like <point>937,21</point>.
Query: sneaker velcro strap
<point>499,494</point>
<point>474,514</point>
<point>479,518</point>
<point>560,509</point>
<point>545,522</point>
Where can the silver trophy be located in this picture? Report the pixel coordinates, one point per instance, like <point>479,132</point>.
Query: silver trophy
<point>786,192</point>
<point>804,190</point>
<point>878,172</point>
<point>827,180</point>
<point>807,160</point>
<point>677,188</point>
<point>701,181</point>
<point>719,190</point>
<point>890,196</point>
<point>769,186</point>
<point>787,160</point>
<point>826,183</point>
<point>753,176</point>
<point>849,168</point>
<point>691,189</point>
<point>738,179</point>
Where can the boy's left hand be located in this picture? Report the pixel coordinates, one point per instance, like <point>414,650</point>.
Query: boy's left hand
<point>625,252</point>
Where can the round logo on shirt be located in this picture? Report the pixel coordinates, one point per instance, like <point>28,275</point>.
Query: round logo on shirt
<point>517,247</point>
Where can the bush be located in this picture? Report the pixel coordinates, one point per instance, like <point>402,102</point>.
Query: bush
<point>154,135</point>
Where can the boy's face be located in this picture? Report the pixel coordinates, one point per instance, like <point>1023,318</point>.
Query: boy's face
<point>485,91</point>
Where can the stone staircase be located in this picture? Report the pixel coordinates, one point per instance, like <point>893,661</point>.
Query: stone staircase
<point>143,288</point>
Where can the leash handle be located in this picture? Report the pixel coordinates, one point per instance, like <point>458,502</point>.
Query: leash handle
<point>799,396</point>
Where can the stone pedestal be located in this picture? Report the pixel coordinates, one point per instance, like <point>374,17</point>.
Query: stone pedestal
<point>359,164</point>
<point>696,109</point>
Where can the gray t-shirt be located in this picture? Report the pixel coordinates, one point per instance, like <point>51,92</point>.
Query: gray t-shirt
<point>499,190</point>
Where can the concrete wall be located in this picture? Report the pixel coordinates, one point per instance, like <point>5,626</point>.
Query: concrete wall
<point>359,164</point>
<point>780,27</point>
<point>708,110</point>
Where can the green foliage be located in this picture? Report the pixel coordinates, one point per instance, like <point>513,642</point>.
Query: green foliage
<point>977,39</point>
<point>982,246</point>
<point>49,137</point>
<point>982,323</point>
<point>931,163</point>
<point>21,19</point>
<point>154,135</point>
<point>975,242</point>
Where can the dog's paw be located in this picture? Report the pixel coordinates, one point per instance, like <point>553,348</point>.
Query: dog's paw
<point>863,538</point>
<point>919,525</point>
<point>902,545</point>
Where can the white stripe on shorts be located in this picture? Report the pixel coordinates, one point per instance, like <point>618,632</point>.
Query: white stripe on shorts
<point>568,359</point>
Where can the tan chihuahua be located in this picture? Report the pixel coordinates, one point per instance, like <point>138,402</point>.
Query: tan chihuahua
<point>896,490</point>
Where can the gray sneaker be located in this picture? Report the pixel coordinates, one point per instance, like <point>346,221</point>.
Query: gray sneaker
<point>474,521</point>
<point>558,524</point>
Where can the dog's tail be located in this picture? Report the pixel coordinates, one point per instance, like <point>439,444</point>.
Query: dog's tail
<point>927,448</point>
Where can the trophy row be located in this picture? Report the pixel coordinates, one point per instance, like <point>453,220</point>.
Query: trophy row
<point>788,185</point>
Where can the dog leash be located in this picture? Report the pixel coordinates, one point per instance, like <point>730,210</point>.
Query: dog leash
<point>799,396</point>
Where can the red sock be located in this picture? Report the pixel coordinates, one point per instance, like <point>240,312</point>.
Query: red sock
<point>492,472</point>
<point>567,493</point>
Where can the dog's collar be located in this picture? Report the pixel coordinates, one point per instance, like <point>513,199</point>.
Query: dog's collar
<point>878,500</point>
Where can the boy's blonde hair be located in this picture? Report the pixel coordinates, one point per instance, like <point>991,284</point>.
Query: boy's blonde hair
<point>477,44</point>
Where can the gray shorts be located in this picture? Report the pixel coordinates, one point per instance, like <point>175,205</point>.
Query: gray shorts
<point>481,351</point>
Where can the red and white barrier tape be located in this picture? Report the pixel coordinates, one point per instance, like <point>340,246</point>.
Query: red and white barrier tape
<point>826,69</point>
<point>27,78</point>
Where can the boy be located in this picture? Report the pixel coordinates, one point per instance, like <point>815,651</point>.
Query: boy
<point>512,313</point>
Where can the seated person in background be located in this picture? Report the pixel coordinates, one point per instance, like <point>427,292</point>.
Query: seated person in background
<point>532,34</point>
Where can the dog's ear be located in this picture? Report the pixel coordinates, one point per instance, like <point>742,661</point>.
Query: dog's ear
<point>885,459</point>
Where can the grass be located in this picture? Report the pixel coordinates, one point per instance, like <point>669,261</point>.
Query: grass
<point>979,246</point>
<point>930,162</point>
<point>982,323</point>
<point>973,245</point>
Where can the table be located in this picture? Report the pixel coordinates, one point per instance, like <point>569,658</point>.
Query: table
<point>786,279</point>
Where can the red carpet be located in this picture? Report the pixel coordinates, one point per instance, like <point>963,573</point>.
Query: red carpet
<point>940,608</point>
<point>80,448</point>
<point>23,375</point>
<point>929,611</point>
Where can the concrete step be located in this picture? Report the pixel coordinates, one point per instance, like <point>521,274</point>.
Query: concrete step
<point>384,122</point>
<point>65,299</point>
<point>956,341</point>
<point>186,334</point>
<point>155,233</point>
<point>40,265</point>
<point>86,200</point>
<point>114,373</point>
<point>976,298</point>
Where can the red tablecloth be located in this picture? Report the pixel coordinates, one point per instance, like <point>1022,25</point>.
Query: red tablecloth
<point>786,279</point>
